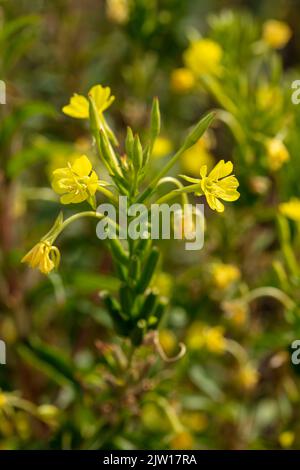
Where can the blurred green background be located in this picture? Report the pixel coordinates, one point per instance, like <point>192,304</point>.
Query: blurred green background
<point>235,303</point>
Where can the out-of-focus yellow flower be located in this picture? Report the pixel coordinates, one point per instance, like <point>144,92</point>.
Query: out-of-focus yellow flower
<point>204,57</point>
<point>214,340</point>
<point>247,377</point>
<point>291,209</point>
<point>197,156</point>
<point>182,441</point>
<point>8,330</point>
<point>168,341</point>
<point>195,336</point>
<point>201,336</point>
<point>216,185</point>
<point>43,256</point>
<point>49,414</point>
<point>3,400</point>
<point>117,11</point>
<point>77,182</point>
<point>194,420</point>
<point>162,147</point>
<point>236,311</point>
<point>182,80</point>
<point>79,105</point>
<point>277,153</point>
<point>223,275</point>
<point>268,96</point>
<point>21,421</point>
<point>276,33</point>
<point>163,283</point>
<point>286,439</point>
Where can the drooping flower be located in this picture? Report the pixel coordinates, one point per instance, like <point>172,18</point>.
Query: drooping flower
<point>276,33</point>
<point>218,184</point>
<point>182,80</point>
<point>79,105</point>
<point>77,182</point>
<point>43,256</point>
<point>277,153</point>
<point>291,209</point>
<point>204,57</point>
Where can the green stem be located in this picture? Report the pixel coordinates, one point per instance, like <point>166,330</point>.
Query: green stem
<point>78,216</point>
<point>185,189</point>
<point>170,179</point>
<point>108,194</point>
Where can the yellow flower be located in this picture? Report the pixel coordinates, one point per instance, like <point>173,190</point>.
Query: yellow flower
<point>201,336</point>
<point>286,439</point>
<point>163,283</point>
<point>43,256</point>
<point>182,441</point>
<point>215,341</point>
<point>182,80</point>
<point>291,209</point>
<point>236,311</point>
<point>277,153</point>
<point>223,275</point>
<point>195,336</point>
<point>204,57</point>
<point>117,11</point>
<point>168,341</point>
<point>3,400</point>
<point>79,105</point>
<point>276,33</point>
<point>9,331</point>
<point>217,185</point>
<point>268,97</point>
<point>197,156</point>
<point>194,420</point>
<point>77,182</point>
<point>162,147</point>
<point>247,377</point>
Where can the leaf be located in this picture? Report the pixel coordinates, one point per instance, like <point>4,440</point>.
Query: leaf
<point>198,130</point>
<point>49,361</point>
<point>87,282</point>
<point>200,378</point>
<point>20,116</point>
<point>16,37</point>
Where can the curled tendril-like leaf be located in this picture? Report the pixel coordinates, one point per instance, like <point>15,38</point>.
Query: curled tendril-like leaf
<point>161,352</point>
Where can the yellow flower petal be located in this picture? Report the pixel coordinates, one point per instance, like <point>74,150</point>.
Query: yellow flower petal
<point>82,166</point>
<point>40,257</point>
<point>101,96</point>
<point>221,169</point>
<point>78,107</point>
<point>291,209</point>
